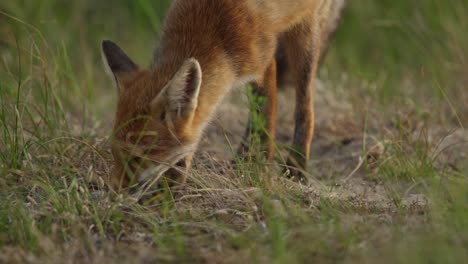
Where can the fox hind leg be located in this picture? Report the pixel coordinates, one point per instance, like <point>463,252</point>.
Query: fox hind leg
<point>302,45</point>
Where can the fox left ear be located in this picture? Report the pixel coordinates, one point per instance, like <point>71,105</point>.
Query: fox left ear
<point>119,63</point>
<point>184,88</point>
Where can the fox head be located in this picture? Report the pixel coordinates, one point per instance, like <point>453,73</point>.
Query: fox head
<point>153,130</point>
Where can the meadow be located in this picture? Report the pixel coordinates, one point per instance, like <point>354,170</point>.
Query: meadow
<point>388,173</point>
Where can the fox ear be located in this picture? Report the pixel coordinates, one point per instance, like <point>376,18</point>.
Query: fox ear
<point>183,90</point>
<point>117,61</point>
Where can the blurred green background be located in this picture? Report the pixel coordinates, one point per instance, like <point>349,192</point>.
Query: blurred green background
<point>394,43</point>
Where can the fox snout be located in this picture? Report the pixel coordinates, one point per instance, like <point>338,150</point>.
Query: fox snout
<point>148,174</point>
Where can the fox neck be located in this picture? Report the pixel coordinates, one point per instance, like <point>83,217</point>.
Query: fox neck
<point>217,81</point>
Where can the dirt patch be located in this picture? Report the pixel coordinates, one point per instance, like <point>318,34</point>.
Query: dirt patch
<point>339,167</point>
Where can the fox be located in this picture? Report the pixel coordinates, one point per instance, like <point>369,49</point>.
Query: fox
<point>206,49</point>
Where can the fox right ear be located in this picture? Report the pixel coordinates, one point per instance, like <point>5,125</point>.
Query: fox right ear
<point>117,61</point>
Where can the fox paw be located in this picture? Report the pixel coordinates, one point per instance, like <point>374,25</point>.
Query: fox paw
<point>295,172</point>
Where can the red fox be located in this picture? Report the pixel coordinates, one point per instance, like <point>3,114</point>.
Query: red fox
<point>206,48</point>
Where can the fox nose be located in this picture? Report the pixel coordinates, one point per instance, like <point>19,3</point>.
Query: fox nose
<point>181,164</point>
<point>174,175</point>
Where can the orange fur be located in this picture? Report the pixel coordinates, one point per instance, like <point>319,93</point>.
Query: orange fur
<point>206,48</point>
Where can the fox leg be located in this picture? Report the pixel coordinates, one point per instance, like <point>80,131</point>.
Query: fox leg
<point>302,45</point>
<point>265,88</point>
